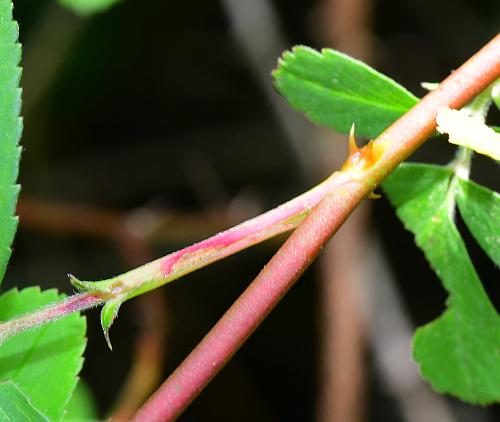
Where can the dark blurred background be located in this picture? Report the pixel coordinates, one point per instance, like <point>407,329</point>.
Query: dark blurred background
<point>154,124</point>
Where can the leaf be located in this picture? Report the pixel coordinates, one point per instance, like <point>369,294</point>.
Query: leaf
<point>15,406</point>
<point>335,90</point>
<point>469,132</point>
<point>88,7</point>
<point>10,129</point>
<point>44,362</point>
<point>459,352</point>
<point>480,209</point>
<point>109,313</point>
<point>81,407</point>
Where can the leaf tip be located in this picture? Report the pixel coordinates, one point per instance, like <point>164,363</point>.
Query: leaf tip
<point>82,286</point>
<point>109,313</point>
<point>74,281</point>
<point>108,340</point>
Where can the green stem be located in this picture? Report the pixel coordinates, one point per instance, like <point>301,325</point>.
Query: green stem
<point>462,162</point>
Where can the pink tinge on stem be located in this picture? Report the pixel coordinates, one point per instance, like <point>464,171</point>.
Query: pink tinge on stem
<point>262,227</point>
<point>72,304</point>
<point>50,313</point>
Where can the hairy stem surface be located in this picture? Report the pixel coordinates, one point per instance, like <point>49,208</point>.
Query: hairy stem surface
<point>75,303</point>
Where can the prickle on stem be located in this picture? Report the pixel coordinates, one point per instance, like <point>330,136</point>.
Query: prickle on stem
<point>353,147</point>
<point>360,159</point>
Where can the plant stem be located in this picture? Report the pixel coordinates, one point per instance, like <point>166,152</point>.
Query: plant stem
<point>240,321</point>
<point>173,266</point>
<point>47,314</point>
<point>177,264</point>
<point>461,163</point>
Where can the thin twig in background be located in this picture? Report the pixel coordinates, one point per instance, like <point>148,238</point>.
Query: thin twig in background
<point>257,30</point>
<point>342,366</point>
<point>344,25</point>
<point>70,219</point>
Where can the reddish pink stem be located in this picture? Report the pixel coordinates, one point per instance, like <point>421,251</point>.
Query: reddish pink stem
<point>297,253</point>
<point>50,313</point>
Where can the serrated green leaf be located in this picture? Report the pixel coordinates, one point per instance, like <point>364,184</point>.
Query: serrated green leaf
<point>88,7</point>
<point>10,129</point>
<point>81,407</point>
<point>459,353</point>
<point>44,362</point>
<point>335,90</point>
<point>480,209</point>
<point>15,406</point>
